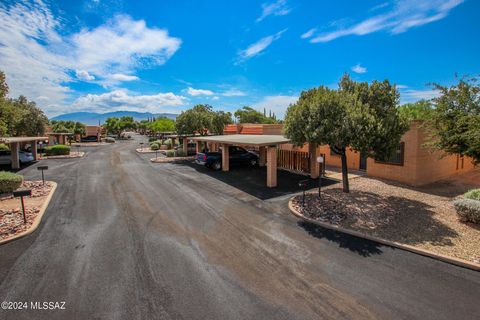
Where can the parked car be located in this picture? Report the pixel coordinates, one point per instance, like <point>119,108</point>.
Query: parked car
<point>191,148</point>
<point>89,139</point>
<point>237,156</point>
<point>24,157</point>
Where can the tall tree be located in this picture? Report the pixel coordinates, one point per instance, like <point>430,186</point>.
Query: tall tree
<point>162,124</point>
<point>195,120</point>
<point>249,115</point>
<point>219,120</point>
<point>455,121</point>
<point>360,116</point>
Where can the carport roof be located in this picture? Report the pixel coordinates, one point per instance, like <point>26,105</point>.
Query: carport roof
<point>21,139</point>
<point>246,139</point>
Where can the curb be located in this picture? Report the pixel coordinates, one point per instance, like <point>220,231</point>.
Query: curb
<point>171,159</point>
<point>38,218</point>
<point>423,252</point>
<point>82,154</point>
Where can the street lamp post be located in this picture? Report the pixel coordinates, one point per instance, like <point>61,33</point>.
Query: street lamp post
<point>320,160</point>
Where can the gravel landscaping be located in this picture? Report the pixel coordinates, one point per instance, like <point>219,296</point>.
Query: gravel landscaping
<point>11,216</point>
<point>423,217</point>
<point>164,159</point>
<point>73,154</point>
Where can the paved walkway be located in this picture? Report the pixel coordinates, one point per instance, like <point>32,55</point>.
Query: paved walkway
<point>127,239</point>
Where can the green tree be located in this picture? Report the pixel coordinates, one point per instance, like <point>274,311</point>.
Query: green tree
<point>219,120</point>
<point>455,121</point>
<point>195,120</point>
<point>360,116</point>
<point>60,126</point>
<point>420,110</point>
<point>249,115</point>
<point>162,125</point>
<point>113,125</point>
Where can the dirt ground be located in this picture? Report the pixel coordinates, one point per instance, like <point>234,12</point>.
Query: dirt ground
<point>11,216</point>
<point>423,217</point>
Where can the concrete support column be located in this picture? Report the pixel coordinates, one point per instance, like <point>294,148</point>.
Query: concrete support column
<point>262,156</point>
<point>185,146</point>
<point>197,146</point>
<point>225,158</point>
<point>51,140</point>
<point>173,142</point>
<point>314,165</point>
<point>34,150</point>
<point>14,149</point>
<point>271,167</point>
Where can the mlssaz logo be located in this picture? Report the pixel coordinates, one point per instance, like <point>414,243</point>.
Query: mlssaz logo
<point>47,305</point>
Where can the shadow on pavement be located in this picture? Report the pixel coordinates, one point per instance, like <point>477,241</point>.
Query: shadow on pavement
<point>362,247</point>
<point>253,180</point>
<point>8,167</point>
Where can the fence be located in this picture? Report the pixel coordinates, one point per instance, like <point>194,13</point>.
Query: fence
<point>296,161</point>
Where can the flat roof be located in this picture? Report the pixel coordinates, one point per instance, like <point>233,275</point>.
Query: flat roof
<point>21,139</point>
<point>246,139</point>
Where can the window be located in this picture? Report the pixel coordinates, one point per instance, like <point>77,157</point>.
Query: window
<point>397,157</point>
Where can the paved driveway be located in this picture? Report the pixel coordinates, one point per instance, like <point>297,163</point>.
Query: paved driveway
<point>126,239</point>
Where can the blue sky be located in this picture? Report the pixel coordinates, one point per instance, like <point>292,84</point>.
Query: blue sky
<point>166,56</point>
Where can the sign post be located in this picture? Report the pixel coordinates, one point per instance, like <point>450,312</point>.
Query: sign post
<point>320,160</point>
<point>43,168</point>
<point>303,184</point>
<point>21,194</point>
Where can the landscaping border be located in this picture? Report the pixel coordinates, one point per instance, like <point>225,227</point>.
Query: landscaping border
<point>171,159</point>
<point>80,155</point>
<point>423,252</point>
<point>38,218</point>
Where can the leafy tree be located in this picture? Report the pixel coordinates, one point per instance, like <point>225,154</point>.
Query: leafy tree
<point>420,110</point>
<point>113,125</point>
<point>455,121</point>
<point>60,126</point>
<point>162,125</point>
<point>249,115</point>
<point>3,86</point>
<point>219,120</point>
<point>198,119</point>
<point>127,123</point>
<point>360,116</point>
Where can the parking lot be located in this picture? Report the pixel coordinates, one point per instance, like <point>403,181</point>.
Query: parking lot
<point>134,239</point>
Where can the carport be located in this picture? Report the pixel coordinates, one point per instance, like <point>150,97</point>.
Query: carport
<point>267,145</point>
<point>14,143</point>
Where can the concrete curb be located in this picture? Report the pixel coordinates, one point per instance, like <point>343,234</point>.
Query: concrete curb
<point>423,252</point>
<point>38,218</point>
<point>81,155</point>
<point>171,159</point>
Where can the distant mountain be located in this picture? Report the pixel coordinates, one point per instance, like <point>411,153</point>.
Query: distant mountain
<point>92,118</point>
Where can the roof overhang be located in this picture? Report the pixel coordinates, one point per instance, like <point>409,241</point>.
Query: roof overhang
<point>245,139</point>
<point>21,139</point>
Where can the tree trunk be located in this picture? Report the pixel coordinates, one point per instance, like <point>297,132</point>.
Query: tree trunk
<point>346,187</point>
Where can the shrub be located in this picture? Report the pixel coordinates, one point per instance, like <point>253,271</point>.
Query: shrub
<point>473,194</point>
<point>151,139</point>
<point>4,147</point>
<point>180,153</point>
<point>58,150</point>
<point>154,145</point>
<point>110,140</point>
<point>170,153</point>
<point>168,142</point>
<point>468,210</point>
<point>9,181</point>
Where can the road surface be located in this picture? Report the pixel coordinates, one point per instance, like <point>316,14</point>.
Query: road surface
<point>127,239</point>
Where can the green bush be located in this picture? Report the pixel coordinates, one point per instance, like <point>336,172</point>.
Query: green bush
<point>151,139</point>
<point>473,194</point>
<point>9,181</point>
<point>154,145</point>
<point>110,140</point>
<point>57,150</point>
<point>4,147</point>
<point>168,142</point>
<point>180,153</point>
<point>170,153</point>
<point>468,210</point>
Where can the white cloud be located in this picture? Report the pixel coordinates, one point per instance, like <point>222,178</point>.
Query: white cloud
<point>234,93</point>
<point>359,69</point>
<point>309,33</point>
<point>412,95</point>
<point>122,100</point>
<point>257,47</point>
<point>199,92</point>
<point>405,14</point>
<point>277,104</point>
<point>278,8</point>
<point>215,98</point>
<point>39,61</point>
<point>84,75</point>
<point>123,77</point>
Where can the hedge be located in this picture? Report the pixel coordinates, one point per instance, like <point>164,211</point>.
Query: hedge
<point>473,194</point>
<point>9,181</point>
<point>468,210</point>
<point>4,147</point>
<point>57,150</point>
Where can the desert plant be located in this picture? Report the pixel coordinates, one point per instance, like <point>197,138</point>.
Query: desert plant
<point>57,150</point>
<point>168,143</point>
<point>170,153</point>
<point>468,210</point>
<point>9,181</point>
<point>4,147</point>
<point>180,153</point>
<point>473,194</point>
<point>154,145</point>
<point>110,140</point>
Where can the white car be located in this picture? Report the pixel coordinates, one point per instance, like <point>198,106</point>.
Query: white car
<point>6,157</point>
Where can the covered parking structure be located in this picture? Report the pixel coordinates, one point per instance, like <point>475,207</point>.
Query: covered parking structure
<point>267,144</point>
<point>14,143</point>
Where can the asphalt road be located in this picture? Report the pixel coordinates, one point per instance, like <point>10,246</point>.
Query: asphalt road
<point>127,239</point>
